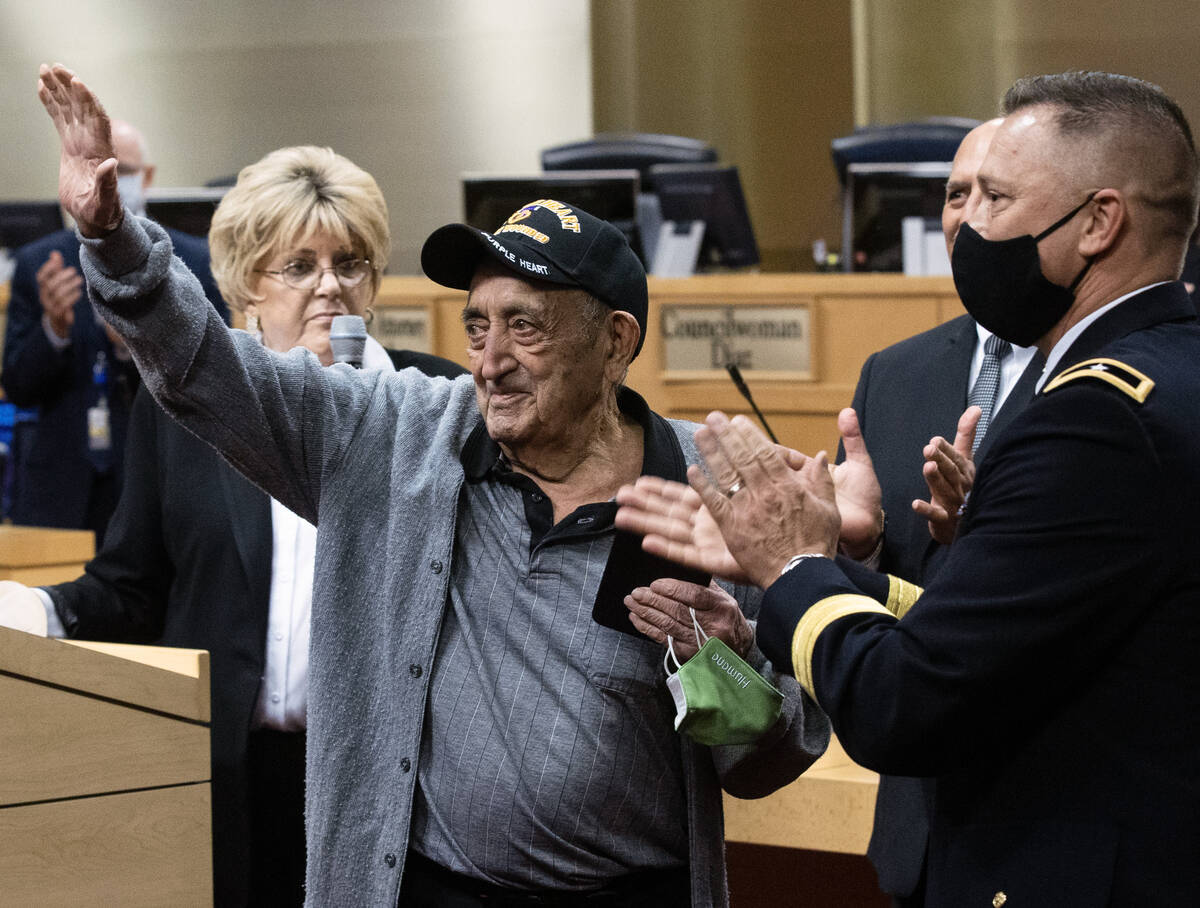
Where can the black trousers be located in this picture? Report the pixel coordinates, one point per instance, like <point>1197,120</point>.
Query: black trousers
<point>275,769</point>
<point>428,885</point>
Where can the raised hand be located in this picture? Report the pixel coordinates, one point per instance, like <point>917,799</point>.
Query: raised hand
<point>59,288</point>
<point>87,171</point>
<point>859,498</point>
<point>766,511</point>
<point>949,473</point>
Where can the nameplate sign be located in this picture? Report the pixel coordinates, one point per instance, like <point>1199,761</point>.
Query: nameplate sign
<point>753,338</point>
<point>401,328</point>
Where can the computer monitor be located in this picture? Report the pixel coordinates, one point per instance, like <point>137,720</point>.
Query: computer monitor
<point>877,198</point>
<point>188,209</point>
<point>711,193</point>
<point>610,195</point>
<point>24,222</point>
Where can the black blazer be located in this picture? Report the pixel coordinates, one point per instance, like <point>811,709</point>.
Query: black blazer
<point>187,562</point>
<point>907,394</point>
<point>56,477</point>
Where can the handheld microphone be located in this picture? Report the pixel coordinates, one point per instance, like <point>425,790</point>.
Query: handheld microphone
<point>736,374</point>
<point>348,339</point>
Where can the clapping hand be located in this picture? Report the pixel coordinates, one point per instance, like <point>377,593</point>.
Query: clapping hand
<point>760,506</point>
<point>859,498</point>
<point>59,287</point>
<point>676,526</point>
<point>766,510</point>
<point>949,472</point>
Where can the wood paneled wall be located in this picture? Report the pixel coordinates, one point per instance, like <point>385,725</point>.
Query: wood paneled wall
<point>852,317</point>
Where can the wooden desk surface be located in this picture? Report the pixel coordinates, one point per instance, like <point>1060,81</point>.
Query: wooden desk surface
<point>22,546</point>
<point>39,556</point>
<point>829,808</point>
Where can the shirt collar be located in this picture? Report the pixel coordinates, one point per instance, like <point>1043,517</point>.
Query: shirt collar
<point>1073,333</point>
<point>983,334</point>
<point>480,455</point>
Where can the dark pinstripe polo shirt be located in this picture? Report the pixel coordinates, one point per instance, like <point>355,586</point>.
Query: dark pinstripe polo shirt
<point>549,758</point>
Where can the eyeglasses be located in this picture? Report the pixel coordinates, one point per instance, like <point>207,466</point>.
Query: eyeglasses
<point>306,275</point>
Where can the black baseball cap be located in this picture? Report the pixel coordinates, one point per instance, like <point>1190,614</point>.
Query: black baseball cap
<point>549,241</point>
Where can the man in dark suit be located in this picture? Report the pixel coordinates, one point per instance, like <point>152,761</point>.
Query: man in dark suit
<point>60,358</point>
<point>1047,677</point>
<point>907,394</point>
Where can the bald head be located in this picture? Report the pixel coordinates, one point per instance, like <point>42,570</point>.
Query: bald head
<point>129,145</point>
<point>134,171</point>
<point>962,189</point>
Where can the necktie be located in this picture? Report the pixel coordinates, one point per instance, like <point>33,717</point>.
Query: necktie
<point>983,394</point>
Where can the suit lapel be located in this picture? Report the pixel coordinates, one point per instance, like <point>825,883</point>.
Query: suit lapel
<point>947,378</point>
<point>250,515</point>
<point>948,395</point>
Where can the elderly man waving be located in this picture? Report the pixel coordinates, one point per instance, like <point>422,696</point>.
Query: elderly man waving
<point>475,735</point>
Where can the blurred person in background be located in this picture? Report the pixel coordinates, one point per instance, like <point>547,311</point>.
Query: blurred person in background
<point>60,358</point>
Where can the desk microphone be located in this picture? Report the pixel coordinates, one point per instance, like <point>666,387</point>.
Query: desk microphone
<point>348,339</point>
<point>736,374</point>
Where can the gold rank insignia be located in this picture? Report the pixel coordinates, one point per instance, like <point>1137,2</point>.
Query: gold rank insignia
<point>1124,378</point>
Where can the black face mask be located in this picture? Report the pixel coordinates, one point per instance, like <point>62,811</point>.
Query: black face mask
<point>1002,286</point>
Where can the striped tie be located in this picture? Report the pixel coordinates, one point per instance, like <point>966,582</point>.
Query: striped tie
<point>983,394</point>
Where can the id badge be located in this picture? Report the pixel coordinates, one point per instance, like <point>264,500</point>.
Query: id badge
<point>99,431</point>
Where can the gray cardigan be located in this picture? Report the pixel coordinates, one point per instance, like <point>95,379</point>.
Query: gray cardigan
<point>369,456</point>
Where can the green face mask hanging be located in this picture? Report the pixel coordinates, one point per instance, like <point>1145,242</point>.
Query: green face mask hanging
<point>719,699</point>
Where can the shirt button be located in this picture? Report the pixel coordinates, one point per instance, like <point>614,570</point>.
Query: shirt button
<point>389,859</point>
<point>279,636</point>
<point>435,566</point>
<point>415,670</point>
<point>405,765</point>
<point>536,496</point>
<point>274,698</point>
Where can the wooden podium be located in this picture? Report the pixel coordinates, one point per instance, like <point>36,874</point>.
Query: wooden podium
<point>831,807</point>
<point>104,774</point>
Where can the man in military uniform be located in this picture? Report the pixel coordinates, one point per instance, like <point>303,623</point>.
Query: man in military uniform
<point>1048,677</point>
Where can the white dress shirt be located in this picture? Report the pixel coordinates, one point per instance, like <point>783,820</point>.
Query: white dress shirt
<point>1012,367</point>
<point>283,695</point>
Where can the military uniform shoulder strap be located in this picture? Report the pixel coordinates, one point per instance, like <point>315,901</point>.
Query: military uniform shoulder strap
<point>1125,379</point>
